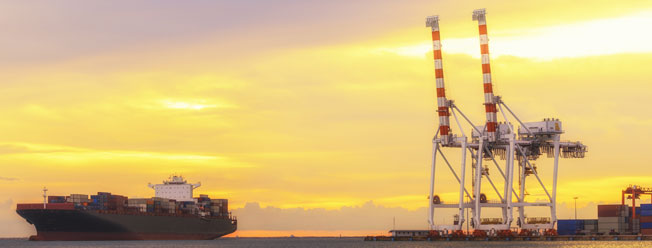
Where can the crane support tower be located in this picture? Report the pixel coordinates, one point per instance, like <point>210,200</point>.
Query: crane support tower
<point>510,146</point>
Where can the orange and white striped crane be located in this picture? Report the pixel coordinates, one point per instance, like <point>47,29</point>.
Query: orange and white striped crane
<point>518,147</point>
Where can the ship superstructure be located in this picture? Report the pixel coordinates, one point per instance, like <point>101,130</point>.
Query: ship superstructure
<point>176,188</point>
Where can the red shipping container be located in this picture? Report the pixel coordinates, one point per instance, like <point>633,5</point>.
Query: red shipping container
<point>645,218</point>
<point>610,210</point>
<point>646,231</point>
<point>59,206</point>
<point>56,199</point>
<point>21,206</point>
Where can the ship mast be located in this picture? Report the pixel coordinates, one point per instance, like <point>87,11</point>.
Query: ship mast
<point>45,195</point>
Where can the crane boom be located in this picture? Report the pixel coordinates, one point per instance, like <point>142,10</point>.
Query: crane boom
<point>489,101</point>
<point>443,108</point>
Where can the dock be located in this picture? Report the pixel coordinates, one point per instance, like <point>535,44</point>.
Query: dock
<point>515,238</point>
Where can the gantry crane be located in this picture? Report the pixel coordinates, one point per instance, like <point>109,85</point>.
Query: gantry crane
<point>634,192</point>
<point>491,140</point>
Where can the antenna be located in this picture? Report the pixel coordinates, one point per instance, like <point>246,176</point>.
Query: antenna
<point>489,101</point>
<point>442,103</point>
<point>45,196</point>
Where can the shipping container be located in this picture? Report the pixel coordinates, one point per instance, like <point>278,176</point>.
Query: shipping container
<point>591,227</point>
<point>56,199</point>
<point>559,231</point>
<point>620,219</point>
<point>591,222</point>
<point>58,206</point>
<point>612,210</point>
<point>646,212</point>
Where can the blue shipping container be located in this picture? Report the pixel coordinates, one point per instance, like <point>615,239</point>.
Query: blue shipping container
<point>565,232</point>
<point>646,212</point>
<point>646,206</point>
<point>646,225</point>
<point>569,226</point>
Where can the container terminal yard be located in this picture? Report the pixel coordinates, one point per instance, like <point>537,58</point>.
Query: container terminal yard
<point>614,222</point>
<point>509,149</point>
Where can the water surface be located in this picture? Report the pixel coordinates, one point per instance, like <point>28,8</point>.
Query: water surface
<point>319,242</point>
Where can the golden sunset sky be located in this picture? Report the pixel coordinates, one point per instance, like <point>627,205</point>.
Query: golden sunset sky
<point>307,104</point>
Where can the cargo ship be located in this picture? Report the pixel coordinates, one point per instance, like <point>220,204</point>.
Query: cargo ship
<point>173,214</point>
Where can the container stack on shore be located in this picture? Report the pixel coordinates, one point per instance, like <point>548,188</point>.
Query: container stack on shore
<point>646,219</point>
<point>613,219</point>
<point>577,227</point>
<point>590,226</point>
<point>569,227</point>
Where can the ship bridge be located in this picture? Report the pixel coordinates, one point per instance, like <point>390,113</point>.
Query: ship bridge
<point>175,187</point>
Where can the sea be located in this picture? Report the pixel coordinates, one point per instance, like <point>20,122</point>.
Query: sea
<point>319,242</point>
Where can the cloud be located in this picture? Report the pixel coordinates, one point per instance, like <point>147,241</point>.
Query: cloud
<point>372,216</point>
<point>11,224</point>
<point>8,179</point>
<point>368,216</point>
<point>7,204</point>
<point>303,112</point>
<point>551,42</point>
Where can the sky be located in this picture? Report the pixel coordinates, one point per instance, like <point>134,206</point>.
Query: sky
<point>314,116</point>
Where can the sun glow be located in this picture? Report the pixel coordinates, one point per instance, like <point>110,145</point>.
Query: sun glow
<point>590,38</point>
<point>193,104</point>
<point>67,153</point>
<point>186,105</point>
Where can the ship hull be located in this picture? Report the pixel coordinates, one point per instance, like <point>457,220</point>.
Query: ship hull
<point>55,224</point>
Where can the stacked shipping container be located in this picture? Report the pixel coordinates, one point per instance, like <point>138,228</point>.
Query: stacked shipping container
<point>577,227</point>
<point>613,219</point>
<point>590,226</point>
<point>140,204</point>
<point>215,207</point>
<point>56,199</point>
<point>220,207</point>
<point>77,198</point>
<point>646,219</point>
<point>164,205</point>
<point>187,207</point>
<point>106,201</point>
<point>569,227</point>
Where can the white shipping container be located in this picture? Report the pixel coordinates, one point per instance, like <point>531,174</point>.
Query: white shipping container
<point>610,219</point>
<point>591,227</point>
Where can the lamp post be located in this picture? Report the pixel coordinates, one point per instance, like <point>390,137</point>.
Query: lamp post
<point>575,198</point>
